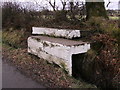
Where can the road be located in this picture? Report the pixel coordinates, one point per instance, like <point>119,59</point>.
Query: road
<point>12,78</point>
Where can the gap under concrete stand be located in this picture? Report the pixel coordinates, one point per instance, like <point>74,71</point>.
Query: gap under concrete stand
<point>57,49</point>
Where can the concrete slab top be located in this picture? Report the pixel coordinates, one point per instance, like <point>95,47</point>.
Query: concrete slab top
<point>63,33</point>
<point>60,40</point>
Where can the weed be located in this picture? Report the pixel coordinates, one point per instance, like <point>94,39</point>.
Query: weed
<point>64,67</point>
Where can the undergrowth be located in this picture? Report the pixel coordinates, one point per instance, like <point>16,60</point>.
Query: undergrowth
<point>101,64</point>
<point>15,38</point>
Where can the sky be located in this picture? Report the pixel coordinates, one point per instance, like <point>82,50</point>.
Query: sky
<point>113,5</point>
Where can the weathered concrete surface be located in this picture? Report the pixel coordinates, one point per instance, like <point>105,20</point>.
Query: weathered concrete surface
<point>65,33</point>
<point>56,50</point>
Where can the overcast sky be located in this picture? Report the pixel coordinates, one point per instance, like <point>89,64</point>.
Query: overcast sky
<point>112,5</point>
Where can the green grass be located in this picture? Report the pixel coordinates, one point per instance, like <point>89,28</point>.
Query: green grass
<point>15,38</point>
<point>113,17</point>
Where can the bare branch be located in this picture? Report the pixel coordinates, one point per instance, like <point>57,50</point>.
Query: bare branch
<point>63,3</point>
<point>53,5</point>
<point>108,3</point>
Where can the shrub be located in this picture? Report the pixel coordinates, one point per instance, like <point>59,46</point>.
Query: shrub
<point>60,16</point>
<point>10,13</point>
<point>101,25</point>
<point>16,17</point>
<point>101,65</point>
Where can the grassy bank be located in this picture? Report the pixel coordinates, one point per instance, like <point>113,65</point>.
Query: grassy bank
<point>15,38</point>
<point>100,62</point>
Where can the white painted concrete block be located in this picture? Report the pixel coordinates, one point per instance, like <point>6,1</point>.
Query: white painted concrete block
<point>56,50</point>
<point>65,33</point>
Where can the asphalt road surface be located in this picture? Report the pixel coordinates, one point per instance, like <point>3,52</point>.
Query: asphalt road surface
<point>12,78</point>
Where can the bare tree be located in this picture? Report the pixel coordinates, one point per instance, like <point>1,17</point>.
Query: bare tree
<point>63,4</point>
<point>53,5</point>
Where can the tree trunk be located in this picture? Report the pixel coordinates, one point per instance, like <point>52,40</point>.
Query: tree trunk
<point>95,9</point>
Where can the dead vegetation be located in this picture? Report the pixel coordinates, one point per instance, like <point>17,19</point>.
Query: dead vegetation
<point>102,62</point>
<point>49,75</point>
